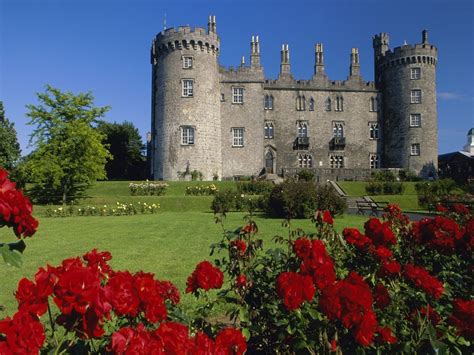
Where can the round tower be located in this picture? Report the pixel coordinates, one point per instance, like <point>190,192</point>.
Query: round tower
<point>407,78</point>
<point>186,126</point>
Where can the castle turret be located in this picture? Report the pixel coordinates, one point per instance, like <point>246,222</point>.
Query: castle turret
<point>186,126</point>
<point>285,68</point>
<point>355,65</point>
<point>406,76</point>
<point>318,59</point>
<point>255,52</point>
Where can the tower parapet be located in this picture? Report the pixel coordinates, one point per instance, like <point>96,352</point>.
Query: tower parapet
<point>186,121</point>
<point>406,76</point>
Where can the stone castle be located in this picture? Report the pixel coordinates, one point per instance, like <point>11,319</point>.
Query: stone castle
<point>233,122</point>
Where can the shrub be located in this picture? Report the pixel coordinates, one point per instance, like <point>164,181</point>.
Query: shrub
<point>431,192</point>
<point>384,184</point>
<point>374,188</point>
<point>384,175</point>
<point>147,188</point>
<point>306,175</point>
<point>200,190</point>
<point>196,175</point>
<point>300,199</point>
<point>254,187</point>
<point>408,175</point>
<point>228,200</point>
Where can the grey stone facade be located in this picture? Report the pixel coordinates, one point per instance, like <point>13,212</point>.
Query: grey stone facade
<point>285,123</point>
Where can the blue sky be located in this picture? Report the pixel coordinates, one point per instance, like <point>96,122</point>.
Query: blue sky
<point>103,46</point>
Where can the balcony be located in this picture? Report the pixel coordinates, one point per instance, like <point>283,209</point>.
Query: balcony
<point>301,143</point>
<point>337,143</point>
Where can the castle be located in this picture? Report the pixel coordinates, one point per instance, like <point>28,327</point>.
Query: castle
<point>232,122</point>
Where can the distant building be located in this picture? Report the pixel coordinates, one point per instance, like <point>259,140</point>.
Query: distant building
<point>459,165</point>
<point>230,122</point>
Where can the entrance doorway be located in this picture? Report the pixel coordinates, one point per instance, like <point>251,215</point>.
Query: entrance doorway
<point>269,161</point>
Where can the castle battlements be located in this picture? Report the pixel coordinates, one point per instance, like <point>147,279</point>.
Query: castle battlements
<point>233,121</point>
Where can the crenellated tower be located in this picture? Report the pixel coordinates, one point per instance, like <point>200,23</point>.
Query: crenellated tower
<point>186,124</point>
<point>406,76</point>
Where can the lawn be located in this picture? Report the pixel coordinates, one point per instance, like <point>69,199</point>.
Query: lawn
<point>408,201</point>
<point>168,244</point>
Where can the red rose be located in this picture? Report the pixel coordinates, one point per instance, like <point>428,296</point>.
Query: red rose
<point>294,289</point>
<point>302,248</point>
<point>241,281</point>
<point>203,345</point>
<point>168,291</point>
<point>389,268</point>
<point>205,276</point>
<point>239,245</point>
<point>98,260</point>
<point>382,253</point>
<point>423,280</point>
<point>324,217</point>
<point>463,318</point>
<point>230,341</point>
<point>441,208</point>
<point>23,334</point>
<point>135,341</point>
<point>364,331</point>
<point>386,336</point>
<point>356,238</point>
<point>151,302</point>
<point>441,233</point>
<point>381,296</point>
<point>30,299</point>
<point>380,233</point>
<point>428,313</point>
<point>15,208</point>
<point>174,337</point>
<point>122,294</point>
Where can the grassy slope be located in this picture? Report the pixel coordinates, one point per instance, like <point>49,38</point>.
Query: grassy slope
<point>408,201</point>
<point>168,244</point>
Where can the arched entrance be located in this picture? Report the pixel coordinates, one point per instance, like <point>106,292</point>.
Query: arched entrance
<point>269,162</point>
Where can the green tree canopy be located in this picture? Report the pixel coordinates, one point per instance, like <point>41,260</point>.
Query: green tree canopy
<point>125,145</point>
<point>69,154</point>
<point>9,146</point>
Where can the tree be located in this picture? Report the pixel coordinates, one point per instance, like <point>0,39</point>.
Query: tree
<point>125,145</point>
<point>9,146</point>
<point>69,154</point>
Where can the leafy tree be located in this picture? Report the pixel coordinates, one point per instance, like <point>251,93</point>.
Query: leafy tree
<point>9,146</point>
<point>69,154</point>
<point>125,145</point>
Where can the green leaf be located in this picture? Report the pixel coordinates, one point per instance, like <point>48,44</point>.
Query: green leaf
<point>11,257</point>
<point>246,333</point>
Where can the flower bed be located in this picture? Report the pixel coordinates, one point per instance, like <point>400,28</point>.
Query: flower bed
<point>118,209</point>
<point>201,190</point>
<point>147,188</point>
<point>394,287</point>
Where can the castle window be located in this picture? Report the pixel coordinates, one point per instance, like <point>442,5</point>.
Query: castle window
<point>374,161</point>
<point>238,137</point>
<point>415,120</point>
<point>328,104</point>
<point>338,129</point>
<point>301,103</point>
<point>237,95</point>
<point>415,73</point>
<point>187,62</point>
<point>374,104</point>
<point>302,129</point>
<point>222,97</point>
<point>415,96</point>
<point>415,149</point>
<point>305,161</point>
<point>187,86</point>
<point>339,103</point>
<point>268,130</point>
<point>374,131</point>
<point>336,161</point>
<point>268,102</point>
<point>311,104</point>
<point>187,135</point>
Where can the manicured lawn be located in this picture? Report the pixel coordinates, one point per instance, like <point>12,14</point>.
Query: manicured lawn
<point>168,244</point>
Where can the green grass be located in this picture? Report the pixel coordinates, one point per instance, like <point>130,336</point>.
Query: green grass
<point>408,201</point>
<point>167,244</point>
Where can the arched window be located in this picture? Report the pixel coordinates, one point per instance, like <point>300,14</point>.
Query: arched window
<point>373,104</point>
<point>268,102</point>
<point>305,161</point>
<point>302,129</point>
<point>300,103</point>
<point>311,104</point>
<point>268,131</point>
<point>328,104</point>
<point>336,161</point>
